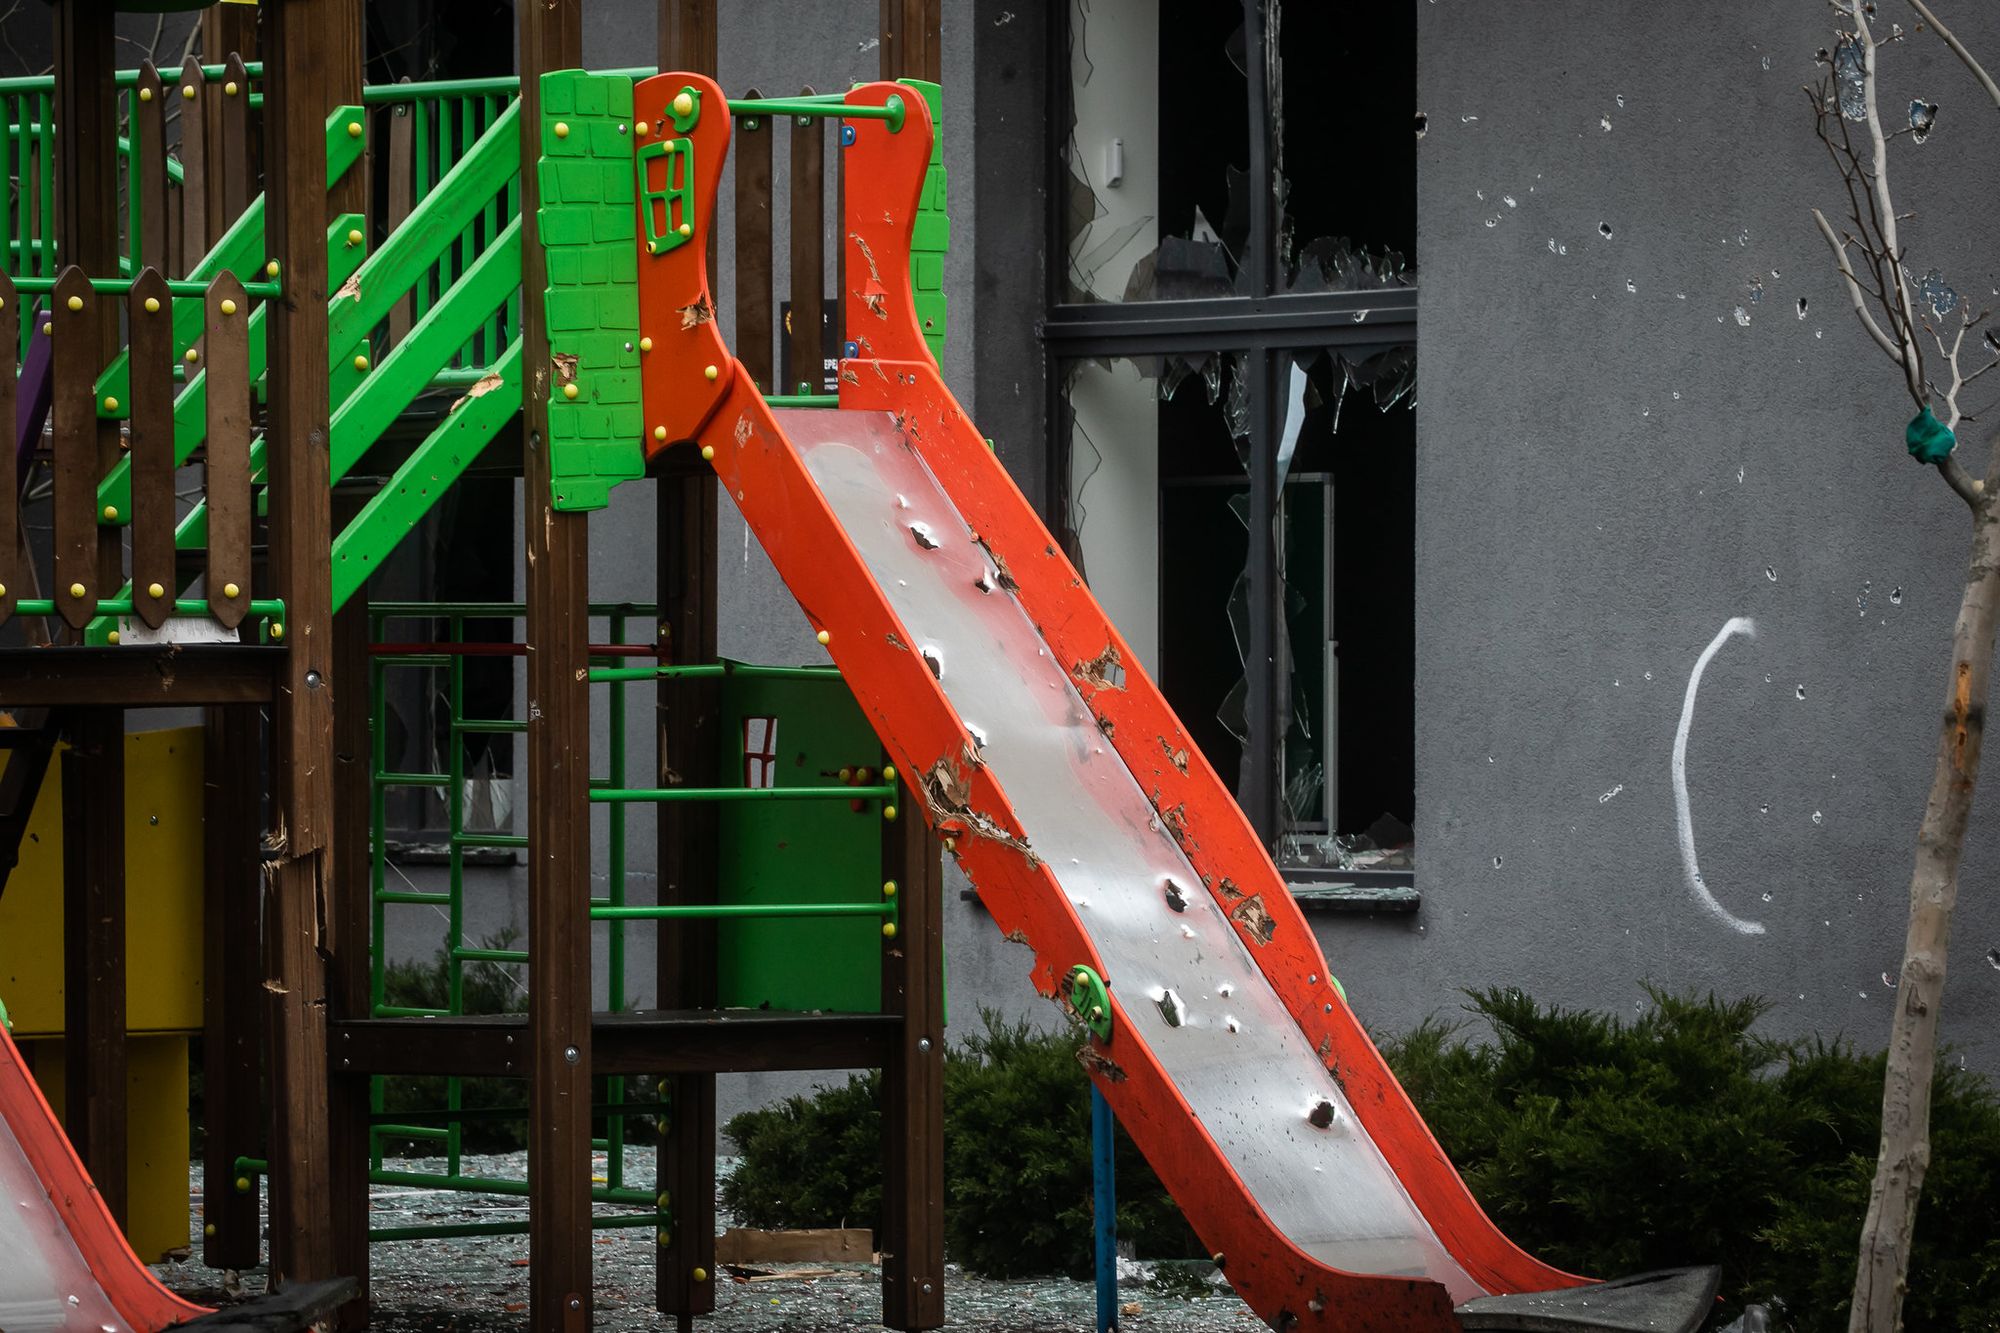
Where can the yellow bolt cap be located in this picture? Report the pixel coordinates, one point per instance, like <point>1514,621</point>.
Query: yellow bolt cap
<point>230,590</point>
<point>76,590</point>
<point>888,772</point>
<point>229,88</point>
<point>889,889</point>
<point>48,327</point>
<point>110,404</point>
<point>3,590</point>
<point>824,637</point>
<point>642,129</point>
<point>709,372</point>
<point>708,451</point>
<point>76,303</point>
<point>354,129</point>
<point>683,104</point>
<point>155,590</point>
<point>354,236</point>
<point>888,930</point>
<point>659,432</point>
<point>111,513</point>
<point>228,307</point>
<point>208,1229</point>
<point>685,229</point>
<point>152,305</point>
<point>145,94</point>
<point>277,630</point>
<point>562,129</point>
<point>192,356</point>
<point>242,1184</point>
<point>846,775</point>
<point>271,269</point>
<point>665,1239</point>
<point>569,391</point>
<point>889,813</point>
<point>112,638</point>
<point>701,1275</point>
<point>187,91</point>
<point>361,363</point>
<point>645,344</point>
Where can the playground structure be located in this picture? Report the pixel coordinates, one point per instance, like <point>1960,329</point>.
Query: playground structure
<point>549,261</point>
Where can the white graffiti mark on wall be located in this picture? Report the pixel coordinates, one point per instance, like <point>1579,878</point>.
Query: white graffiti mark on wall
<point>1683,819</point>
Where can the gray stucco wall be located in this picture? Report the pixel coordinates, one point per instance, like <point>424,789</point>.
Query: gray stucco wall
<point>1612,464</point>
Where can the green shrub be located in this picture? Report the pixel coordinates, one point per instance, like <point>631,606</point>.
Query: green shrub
<point>1607,1146</point>
<point>1603,1145</point>
<point>1017,1160</point>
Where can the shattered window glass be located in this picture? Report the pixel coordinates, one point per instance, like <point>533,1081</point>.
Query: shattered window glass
<point>1156,184</point>
<point>1158,507</point>
<point>1157,187</point>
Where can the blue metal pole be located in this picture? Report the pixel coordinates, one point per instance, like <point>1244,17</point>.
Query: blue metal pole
<point>1104,1209</point>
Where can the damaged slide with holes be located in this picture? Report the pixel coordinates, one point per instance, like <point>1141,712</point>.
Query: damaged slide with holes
<point>64,1264</point>
<point>1093,829</point>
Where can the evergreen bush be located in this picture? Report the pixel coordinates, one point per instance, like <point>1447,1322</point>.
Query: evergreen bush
<point>1602,1145</point>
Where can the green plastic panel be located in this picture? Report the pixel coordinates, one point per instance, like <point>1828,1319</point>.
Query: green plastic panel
<point>798,851</point>
<point>586,223</point>
<point>931,236</point>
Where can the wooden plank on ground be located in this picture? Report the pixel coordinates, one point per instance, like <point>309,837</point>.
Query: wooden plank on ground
<point>813,1245</point>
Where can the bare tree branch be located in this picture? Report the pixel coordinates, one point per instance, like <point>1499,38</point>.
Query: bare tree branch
<point>1891,349</point>
<point>1958,49</point>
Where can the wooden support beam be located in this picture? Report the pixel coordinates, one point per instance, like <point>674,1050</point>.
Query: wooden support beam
<point>689,752</point>
<point>138,676</point>
<point>558,628</point>
<point>348,926</point>
<point>912,1240</point>
<point>297,92</point>
<point>752,151</point>
<point>808,224</point>
<point>232,999</point>
<point>93,791</point>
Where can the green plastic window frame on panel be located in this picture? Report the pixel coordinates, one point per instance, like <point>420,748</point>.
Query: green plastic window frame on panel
<point>586,224</point>
<point>671,197</point>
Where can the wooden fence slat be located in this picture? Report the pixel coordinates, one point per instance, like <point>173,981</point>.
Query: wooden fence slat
<point>75,447</point>
<point>149,141</point>
<point>150,317</point>
<point>753,246</point>
<point>808,249</point>
<point>402,174</point>
<point>10,480</point>
<point>227,355</point>
<point>194,167</point>
<point>234,163</point>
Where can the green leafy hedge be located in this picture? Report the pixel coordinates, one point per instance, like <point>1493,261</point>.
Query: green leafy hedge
<point>1603,1145</point>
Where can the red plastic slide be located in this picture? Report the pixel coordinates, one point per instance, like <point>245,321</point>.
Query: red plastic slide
<point>1094,830</point>
<point>64,1263</point>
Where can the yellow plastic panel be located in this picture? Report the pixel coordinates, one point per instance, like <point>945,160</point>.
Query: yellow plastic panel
<point>163,883</point>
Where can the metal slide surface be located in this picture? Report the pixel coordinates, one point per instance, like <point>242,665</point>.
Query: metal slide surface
<point>1093,829</point>
<point>64,1265</point>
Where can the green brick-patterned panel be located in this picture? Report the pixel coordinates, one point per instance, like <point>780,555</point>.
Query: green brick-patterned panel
<point>585,223</point>
<point>931,236</point>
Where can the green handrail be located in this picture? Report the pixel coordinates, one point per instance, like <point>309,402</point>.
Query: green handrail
<point>700,670</point>
<point>124,78</point>
<point>739,911</point>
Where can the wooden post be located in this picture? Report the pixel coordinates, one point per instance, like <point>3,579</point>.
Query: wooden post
<point>93,792</point>
<point>297,93</point>
<point>690,753</point>
<point>754,135</point>
<point>225,30</point>
<point>348,925</point>
<point>558,628</point>
<point>911,47</point>
<point>808,223</point>
<point>912,1240</point>
<point>232,997</point>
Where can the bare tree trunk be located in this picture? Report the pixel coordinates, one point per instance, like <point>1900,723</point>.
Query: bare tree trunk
<point>1881,1278</point>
